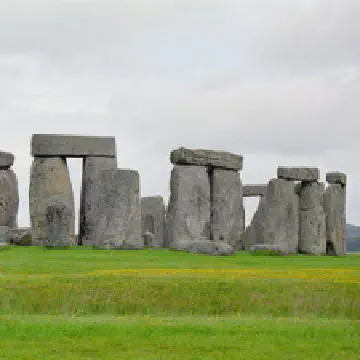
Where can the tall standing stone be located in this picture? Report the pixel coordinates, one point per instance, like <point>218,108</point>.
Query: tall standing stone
<point>49,177</point>
<point>312,234</point>
<point>276,220</point>
<point>9,198</point>
<point>335,211</point>
<point>226,206</point>
<point>89,199</point>
<point>153,218</point>
<point>188,216</point>
<point>119,214</point>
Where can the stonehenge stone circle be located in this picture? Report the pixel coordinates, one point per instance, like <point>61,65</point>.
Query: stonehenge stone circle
<point>226,206</point>
<point>276,220</point>
<point>312,226</point>
<point>72,146</point>
<point>9,198</point>
<point>254,190</point>
<point>6,160</point>
<point>201,157</point>
<point>90,192</point>
<point>49,177</point>
<point>203,247</point>
<point>188,216</point>
<point>153,219</point>
<point>298,173</point>
<point>119,214</point>
<point>335,211</point>
<point>59,220</point>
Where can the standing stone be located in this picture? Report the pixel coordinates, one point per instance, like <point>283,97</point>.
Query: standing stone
<point>58,222</point>
<point>153,219</point>
<point>89,199</point>
<point>9,198</point>
<point>188,216</point>
<point>49,177</point>
<point>335,211</point>
<point>119,213</point>
<point>226,206</point>
<point>312,228</point>
<point>276,220</point>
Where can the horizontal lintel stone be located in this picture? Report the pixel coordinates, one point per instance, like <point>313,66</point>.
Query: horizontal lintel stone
<point>254,190</point>
<point>6,160</point>
<point>336,178</point>
<point>201,157</point>
<point>298,173</point>
<point>46,145</point>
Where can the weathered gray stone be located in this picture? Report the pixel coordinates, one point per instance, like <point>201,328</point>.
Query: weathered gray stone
<point>188,216</point>
<point>312,228</point>
<point>201,157</point>
<point>6,160</point>
<point>89,199</point>
<point>336,178</point>
<point>149,239</point>
<point>298,173</point>
<point>72,146</point>
<point>276,220</point>
<point>49,177</point>
<point>59,220</point>
<point>3,235</point>
<point>9,198</point>
<point>153,218</point>
<point>226,206</point>
<point>254,190</point>
<point>19,236</point>
<point>335,212</point>
<point>275,249</point>
<point>119,214</point>
<point>203,247</point>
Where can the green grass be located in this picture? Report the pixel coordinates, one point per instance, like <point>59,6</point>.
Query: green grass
<point>82,303</point>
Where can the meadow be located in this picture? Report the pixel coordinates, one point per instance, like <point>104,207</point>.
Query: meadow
<point>82,303</point>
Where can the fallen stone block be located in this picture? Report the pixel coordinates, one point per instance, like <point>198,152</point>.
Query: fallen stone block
<point>19,236</point>
<point>254,190</point>
<point>268,248</point>
<point>298,173</point>
<point>72,146</point>
<point>203,247</point>
<point>336,178</point>
<point>6,160</point>
<point>201,157</point>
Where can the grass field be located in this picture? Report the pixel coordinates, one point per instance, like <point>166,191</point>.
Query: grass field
<point>157,304</point>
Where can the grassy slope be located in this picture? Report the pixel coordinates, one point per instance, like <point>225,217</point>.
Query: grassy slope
<point>166,305</point>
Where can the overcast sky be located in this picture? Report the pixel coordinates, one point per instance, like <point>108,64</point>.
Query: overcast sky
<point>276,81</point>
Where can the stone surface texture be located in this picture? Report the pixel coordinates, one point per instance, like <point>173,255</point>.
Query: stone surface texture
<point>188,213</point>
<point>312,227</point>
<point>254,190</point>
<point>336,178</point>
<point>59,220</point>
<point>19,236</point>
<point>335,212</point>
<point>153,219</point>
<point>49,177</point>
<point>201,157</point>
<point>203,247</point>
<point>72,146</point>
<point>276,220</point>
<point>119,213</point>
<point>9,198</point>
<point>268,248</point>
<point>90,193</point>
<point>6,160</point>
<point>3,235</point>
<point>298,173</point>
<point>226,206</point>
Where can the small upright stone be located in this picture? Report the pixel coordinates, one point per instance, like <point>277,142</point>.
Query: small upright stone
<point>201,157</point>
<point>153,219</point>
<point>298,173</point>
<point>188,214</point>
<point>6,160</point>
<point>49,177</point>
<point>119,213</point>
<point>9,198</point>
<point>336,178</point>
<point>58,223</point>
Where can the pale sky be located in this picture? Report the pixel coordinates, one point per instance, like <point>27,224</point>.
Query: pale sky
<point>276,81</point>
